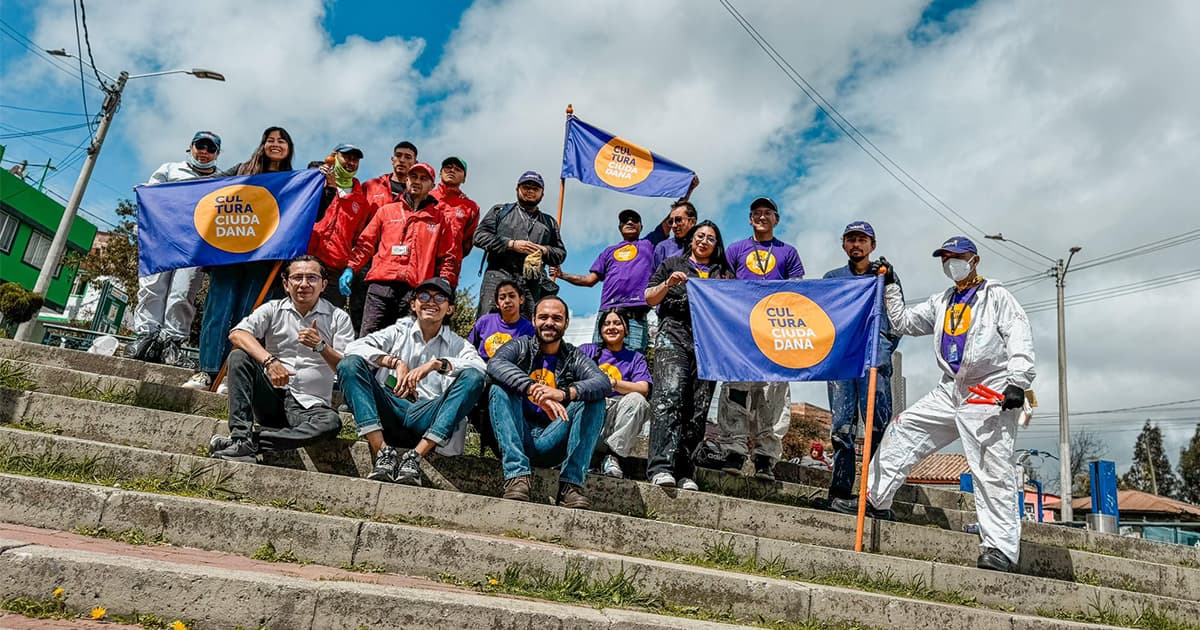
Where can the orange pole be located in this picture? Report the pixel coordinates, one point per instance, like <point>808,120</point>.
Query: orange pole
<point>866,465</point>
<point>262,295</point>
<point>562,181</point>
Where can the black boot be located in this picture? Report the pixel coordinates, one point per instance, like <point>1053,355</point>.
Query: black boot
<point>144,348</point>
<point>173,354</point>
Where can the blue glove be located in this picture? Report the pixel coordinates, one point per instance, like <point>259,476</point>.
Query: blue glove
<point>344,281</point>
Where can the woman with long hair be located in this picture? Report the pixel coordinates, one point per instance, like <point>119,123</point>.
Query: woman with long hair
<point>232,289</point>
<point>679,404</point>
<point>626,410</point>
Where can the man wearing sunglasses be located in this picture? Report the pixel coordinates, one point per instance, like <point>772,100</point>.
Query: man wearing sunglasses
<point>681,220</point>
<point>162,319</point>
<point>281,369</point>
<point>410,385</point>
<point>625,269</point>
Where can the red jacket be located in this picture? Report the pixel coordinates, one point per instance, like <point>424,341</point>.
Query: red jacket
<point>379,191</point>
<point>461,213</point>
<point>334,235</point>
<point>406,245</point>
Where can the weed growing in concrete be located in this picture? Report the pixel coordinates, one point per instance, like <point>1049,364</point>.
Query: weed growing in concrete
<point>32,424</point>
<point>268,553</point>
<point>151,622</point>
<point>364,567</point>
<point>205,481</point>
<point>54,608</point>
<point>116,394</point>
<point>130,536</point>
<point>16,376</point>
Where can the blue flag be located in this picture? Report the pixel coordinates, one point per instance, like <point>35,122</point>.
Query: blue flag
<point>226,220</point>
<point>785,330</point>
<point>596,157</point>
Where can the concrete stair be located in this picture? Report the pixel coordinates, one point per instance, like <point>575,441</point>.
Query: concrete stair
<point>741,551</point>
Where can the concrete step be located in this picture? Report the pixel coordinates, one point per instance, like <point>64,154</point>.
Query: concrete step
<point>466,557</point>
<point>92,363</point>
<point>1048,551</point>
<point>223,590</point>
<point>607,533</point>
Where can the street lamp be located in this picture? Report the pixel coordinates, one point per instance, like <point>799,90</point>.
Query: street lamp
<point>112,100</point>
<point>1064,424</point>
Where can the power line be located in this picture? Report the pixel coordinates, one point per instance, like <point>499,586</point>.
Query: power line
<point>42,132</point>
<point>40,111</point>
<point>1173,403</point>
<point>79,57</point>
<point>86,40</point>
<point>38,51</point>
<point>1152,247</point>
<point>842,123</point>
<point>1118,291</point>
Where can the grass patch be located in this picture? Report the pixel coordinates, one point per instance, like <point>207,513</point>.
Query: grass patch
<point>32,424</point>
<point>54,608</point>
<point>268,553</point>
<point>16,376</point>
<point>1147,618</point>
<point>364,567</point>
<point>130,536</point>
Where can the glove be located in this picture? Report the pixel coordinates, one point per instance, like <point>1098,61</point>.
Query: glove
<point>344,281</point>
<point>888,270</point>
<point>1014,398</point>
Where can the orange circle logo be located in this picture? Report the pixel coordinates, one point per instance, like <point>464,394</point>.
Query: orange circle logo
<point>791,330</point>
<point>959,314</point>
<point>622,164</point>
<point>494,341</point>
<point>760,263</point>
<point>625,253</point>
<point>237,219</point>
<point>543,376</point>
<point>610,370</point>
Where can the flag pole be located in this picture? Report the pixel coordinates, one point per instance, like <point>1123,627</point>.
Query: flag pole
<point>866,465</point>
<point>562,181</point>
<point>262,295</point>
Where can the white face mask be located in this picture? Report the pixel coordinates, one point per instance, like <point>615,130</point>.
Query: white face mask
<point>956,269</point>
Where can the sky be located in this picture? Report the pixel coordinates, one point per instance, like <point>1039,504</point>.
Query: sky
<point>1056,124</point>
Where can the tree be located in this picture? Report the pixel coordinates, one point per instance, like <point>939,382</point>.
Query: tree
<point>1189,469</point>
<point>118,257</point>
<point>1085,446</point>
<point>18,305</point>
<point>1151,470</point>
<point>463,318</point>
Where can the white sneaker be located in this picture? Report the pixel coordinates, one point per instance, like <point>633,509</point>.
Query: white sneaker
<point>610,467</point>
<point>223,388</point>
<point>664,479</point>
<point>199,380</point>
<point>688,484</point>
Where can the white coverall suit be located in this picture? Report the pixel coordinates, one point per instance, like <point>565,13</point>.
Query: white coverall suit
<point>167,300</point>
<point>998,352</point>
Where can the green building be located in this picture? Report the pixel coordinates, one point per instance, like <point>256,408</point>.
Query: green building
<point>28,220</point>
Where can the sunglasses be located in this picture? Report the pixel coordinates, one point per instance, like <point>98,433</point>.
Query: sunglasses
<point>425,297</point>
<point>631,220</point>
<point>205,145</point>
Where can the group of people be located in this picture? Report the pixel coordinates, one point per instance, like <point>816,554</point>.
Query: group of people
<point>381,333</point>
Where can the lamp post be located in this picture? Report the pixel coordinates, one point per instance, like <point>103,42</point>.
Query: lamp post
<point>112,101</point>
<point>1064,424</point>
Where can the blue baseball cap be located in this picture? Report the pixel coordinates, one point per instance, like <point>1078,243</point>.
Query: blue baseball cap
<point>531,177</point>
<point>348,149</point>
<point>956,245</point>
<point>764,202</point>
<point>861,227</point>
<point>207,135</point>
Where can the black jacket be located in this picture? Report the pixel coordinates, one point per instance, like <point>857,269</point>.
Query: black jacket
<point>507,222</point>
<point>512,364</point>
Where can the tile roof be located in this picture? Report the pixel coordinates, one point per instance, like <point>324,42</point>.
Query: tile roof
<point>1132,501</point>
<point>941,468</point>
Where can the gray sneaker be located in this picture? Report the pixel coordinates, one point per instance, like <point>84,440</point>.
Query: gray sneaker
<point>243,451</point>
<point>409,470</point>
<point>218,443</point>
<point>386,463</point>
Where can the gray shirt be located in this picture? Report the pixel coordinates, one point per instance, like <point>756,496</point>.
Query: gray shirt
<point>277,325</point>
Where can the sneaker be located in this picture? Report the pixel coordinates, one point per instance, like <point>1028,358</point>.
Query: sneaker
<point>571,496</point>
<point>664,479</point>
<point>239,451</point>
<point>734,463</point>
<point>993,559</point>
<point>218,443</point>
<point>144,348</point>
<point>199,380</point>
<point>764,468</point>
<point>517,488</point>
<point>223,388</point>
<point>611,467</point>
<point>688,484</point>
<point>174,355</point>
<point>386,463</point>
<point>850,506</point>
<point>409,470</point>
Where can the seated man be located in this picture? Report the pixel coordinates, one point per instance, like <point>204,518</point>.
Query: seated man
<point>547,406</point>
<point>627,410</point>
<point>286,379</point>
<point>489,333</point>
<point>438,378</point>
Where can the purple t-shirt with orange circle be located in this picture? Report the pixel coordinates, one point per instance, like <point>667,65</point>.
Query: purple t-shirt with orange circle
<point>624,268</point>
<point>767,260</point>
<point>625,365</point>
<point>491,332</point>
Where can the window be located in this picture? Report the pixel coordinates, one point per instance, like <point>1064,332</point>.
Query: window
<point>8,231</point>
<point>36,251</point>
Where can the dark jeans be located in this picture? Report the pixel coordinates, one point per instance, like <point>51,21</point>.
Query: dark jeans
<point>679,407</point>
<point>848,402</point>
<point>404,422</point>
<point>358,298</point>
<point>487,292</point>
<point>232,290</point>
<point>385,303</point>
<point>525,441</point>
<point>482,421</point>
<point>251,396</point>
<point>333,295</point>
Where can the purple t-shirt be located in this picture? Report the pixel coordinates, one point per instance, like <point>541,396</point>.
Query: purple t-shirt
<point>542,373</point>
<point>956,325</point>
<point>626,365</point>
<point>491,332</point>
<point>624,268</point>
<point>665,250</point>
<point>766,260</point>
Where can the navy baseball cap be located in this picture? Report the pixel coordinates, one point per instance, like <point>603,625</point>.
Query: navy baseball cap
<point>207,135</point>
<point>531,177</point>
<point>437,284</point>
<point>764,201</point>
<point>628,213</point>
<point>956,245</point>
<point>348,149</point>
<point>862,227</point>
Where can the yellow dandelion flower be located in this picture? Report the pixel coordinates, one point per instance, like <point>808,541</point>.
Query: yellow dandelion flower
<point>58,592</point>
<point>493,581</point>
<point>178,625</point>
<point>99,612</point>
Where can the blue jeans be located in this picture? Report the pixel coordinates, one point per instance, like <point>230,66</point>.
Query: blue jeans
<point>404,422</point>
<point>567,444</point>
<point>848,402</point>
<point>232,290</point>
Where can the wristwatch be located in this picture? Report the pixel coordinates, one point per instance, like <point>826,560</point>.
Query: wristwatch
<point>320,347</point>
<point>443,366</point>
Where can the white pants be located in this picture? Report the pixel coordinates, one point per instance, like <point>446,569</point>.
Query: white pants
<point>987,434</point>
<point>761,410</point>
<point>167,303</point>
<point>624,419</point>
